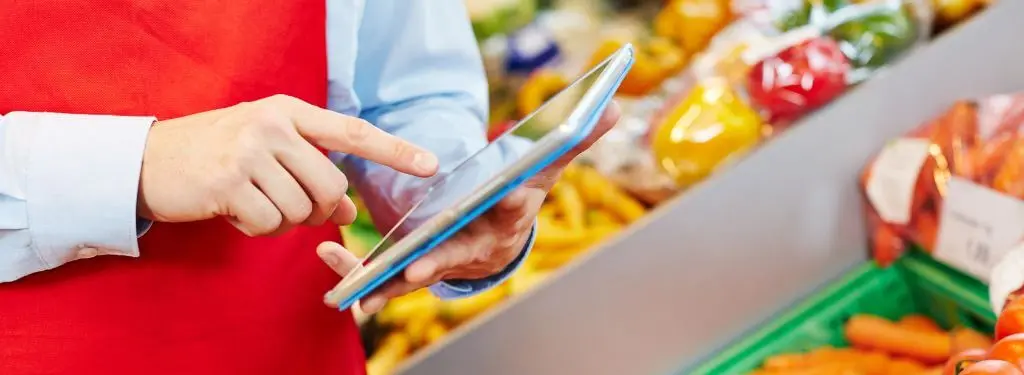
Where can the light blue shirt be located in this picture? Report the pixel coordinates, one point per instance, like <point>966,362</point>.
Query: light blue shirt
<point>410,67</point>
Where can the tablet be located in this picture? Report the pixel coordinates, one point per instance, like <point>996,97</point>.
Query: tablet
<point>452,200</point>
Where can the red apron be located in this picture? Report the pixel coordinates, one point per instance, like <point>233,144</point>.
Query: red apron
<point>202,298</point>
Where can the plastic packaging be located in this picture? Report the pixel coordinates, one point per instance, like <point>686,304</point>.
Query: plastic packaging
<point>778,63</point>
<point>623,155</point>
<point>710,126</point>
<point>692,23</point>
<point>954,186</point>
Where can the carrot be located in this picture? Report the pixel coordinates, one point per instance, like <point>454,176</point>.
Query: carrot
<point>864,331</point>
<point>926,229</point>
<point>1010,179</point>
<point>966,338</point>
<point>786,361</point>
<point>990,155</point>
<point>920,322</point>
<point>904,367</point>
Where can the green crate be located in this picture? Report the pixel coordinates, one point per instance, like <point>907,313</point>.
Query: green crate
<point>915,284</point>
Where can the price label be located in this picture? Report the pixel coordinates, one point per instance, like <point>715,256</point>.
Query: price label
<point>1007,277</point>
<point>893,176</point>
<point>978,226</point>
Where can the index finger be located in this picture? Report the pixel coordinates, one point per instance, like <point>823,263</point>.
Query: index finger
<point>351,135</point>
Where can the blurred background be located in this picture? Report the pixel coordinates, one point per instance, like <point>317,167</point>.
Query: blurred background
<point>795,187</point>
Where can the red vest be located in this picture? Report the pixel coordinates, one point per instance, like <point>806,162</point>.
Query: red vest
<point>202,298</point>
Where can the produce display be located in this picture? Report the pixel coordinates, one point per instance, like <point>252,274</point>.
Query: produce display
<point>912,317</point>
<point>711,81</point>
<point>759,77</point>
<point>913,345</point>
<point>954,186</point>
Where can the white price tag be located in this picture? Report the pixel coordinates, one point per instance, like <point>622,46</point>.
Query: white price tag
<point>893,176</point>
<point>977,227</point>
<point>1007,277</point>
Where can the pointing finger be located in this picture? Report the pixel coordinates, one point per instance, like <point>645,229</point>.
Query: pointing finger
<point>351,135</point>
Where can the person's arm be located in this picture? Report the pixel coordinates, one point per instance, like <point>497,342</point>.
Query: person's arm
<point>419,76</point>
<point>68,188</point>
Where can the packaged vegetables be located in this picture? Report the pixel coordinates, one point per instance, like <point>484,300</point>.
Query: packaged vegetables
<point>771,68</point>
<point>954,186</point>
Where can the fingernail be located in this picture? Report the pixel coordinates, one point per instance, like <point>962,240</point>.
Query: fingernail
<point>331,259</point>
<point>329,298</point>
<point>425,161</point>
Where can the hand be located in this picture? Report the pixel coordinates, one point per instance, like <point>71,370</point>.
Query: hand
<point>258,165</point>
<point>485,247</point>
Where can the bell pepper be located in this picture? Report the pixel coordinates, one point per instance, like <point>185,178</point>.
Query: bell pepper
<point>496,130</point>
<point>692,23</point>
<point>876,38</point>
<point>798,79</point>
<point>810,12</point>
<point>655,61</point>
<point>948,12</point>
<point>711,126</point>
<point>541,86</point>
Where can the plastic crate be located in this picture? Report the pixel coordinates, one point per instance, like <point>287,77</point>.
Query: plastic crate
<point>914,284</point>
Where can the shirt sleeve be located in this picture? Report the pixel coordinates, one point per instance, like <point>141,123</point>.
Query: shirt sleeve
<point>419,75</point>
<point>68,189</point>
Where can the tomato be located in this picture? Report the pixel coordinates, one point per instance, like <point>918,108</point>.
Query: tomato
<point>991,367</point>
<point>963,360</point>
<point>1011,319</point>
<point>798,79</point>
<point>1009,349</point>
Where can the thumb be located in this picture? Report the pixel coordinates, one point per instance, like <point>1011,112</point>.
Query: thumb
<point>337,257</point>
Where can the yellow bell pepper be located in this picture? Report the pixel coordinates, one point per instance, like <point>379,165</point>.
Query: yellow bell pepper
<point>654,62</point>
<point>709,127</point>
<point>539,87</point>
<point>692,23</point>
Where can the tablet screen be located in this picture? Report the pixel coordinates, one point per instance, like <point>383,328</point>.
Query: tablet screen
<point>446,189</point>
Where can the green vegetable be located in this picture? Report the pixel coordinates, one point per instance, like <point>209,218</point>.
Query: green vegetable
<point>494,17</point>
<point>811,12</point>
<point>876,39</point>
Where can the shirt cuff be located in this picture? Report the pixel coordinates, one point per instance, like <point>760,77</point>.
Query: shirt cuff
<point>1007,277</point>
<point>451,289</point>
<point>82,184</point>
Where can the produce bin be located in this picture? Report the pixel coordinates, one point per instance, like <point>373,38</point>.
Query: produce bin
<point>914,285</point>
<point>709,265</point>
